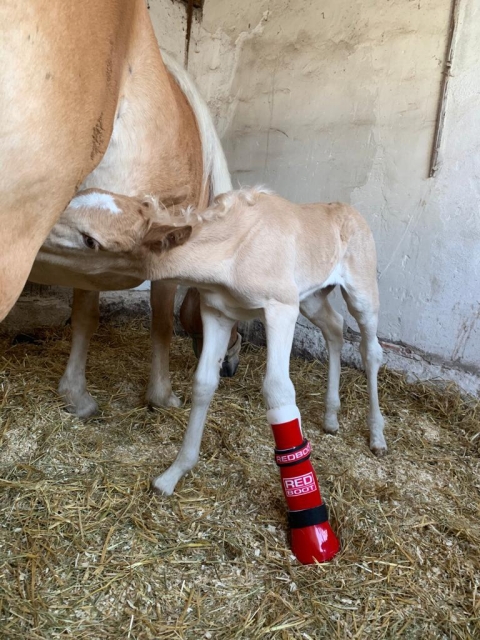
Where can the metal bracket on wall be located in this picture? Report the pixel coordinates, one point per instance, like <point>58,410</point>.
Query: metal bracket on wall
<point>440,120</point>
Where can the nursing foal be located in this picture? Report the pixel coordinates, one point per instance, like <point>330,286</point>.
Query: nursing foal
<point>252,254</point>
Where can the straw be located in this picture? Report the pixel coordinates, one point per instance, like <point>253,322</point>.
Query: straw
<point>86,551</point>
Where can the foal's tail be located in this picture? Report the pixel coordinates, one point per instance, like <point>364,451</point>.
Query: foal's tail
<point>215,169</point>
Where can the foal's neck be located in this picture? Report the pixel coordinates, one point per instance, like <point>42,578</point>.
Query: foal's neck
<point>198,260</point>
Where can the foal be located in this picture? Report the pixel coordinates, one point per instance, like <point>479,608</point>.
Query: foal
<point>252,254</point>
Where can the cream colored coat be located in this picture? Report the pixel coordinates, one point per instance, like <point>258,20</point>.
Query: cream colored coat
<point>252,254</point>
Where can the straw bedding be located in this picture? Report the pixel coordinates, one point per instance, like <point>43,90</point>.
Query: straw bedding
<point>86,551</point>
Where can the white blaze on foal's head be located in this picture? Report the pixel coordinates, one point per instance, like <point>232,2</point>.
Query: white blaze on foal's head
<point>97,220</point>
<point>94,199</point>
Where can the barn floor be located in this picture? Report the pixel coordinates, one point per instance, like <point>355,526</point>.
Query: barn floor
<point>86,551</point>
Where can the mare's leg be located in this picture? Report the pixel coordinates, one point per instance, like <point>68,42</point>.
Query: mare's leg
<point>73,384</point>
<point>319,311</point>
<point>216,332</point>
<point>162,299</point>
<point>191,320</point>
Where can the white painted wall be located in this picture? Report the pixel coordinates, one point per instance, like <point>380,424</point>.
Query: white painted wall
<point>170,24</point>
<point>336,100</point>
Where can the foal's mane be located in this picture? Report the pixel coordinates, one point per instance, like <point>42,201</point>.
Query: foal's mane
<point>222,205</point>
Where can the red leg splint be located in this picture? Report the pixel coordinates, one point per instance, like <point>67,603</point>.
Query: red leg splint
<point>312,538</point>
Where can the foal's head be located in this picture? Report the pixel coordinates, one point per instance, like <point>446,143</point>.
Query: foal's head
<point>97,220</point>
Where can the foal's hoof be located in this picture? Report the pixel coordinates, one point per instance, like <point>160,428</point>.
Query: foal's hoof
<point>163,486</point>
<point>330,425</point>
<point>232,359</point>
<point>379,452</point>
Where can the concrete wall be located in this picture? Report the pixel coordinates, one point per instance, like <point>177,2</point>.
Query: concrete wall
<point>337,100</point>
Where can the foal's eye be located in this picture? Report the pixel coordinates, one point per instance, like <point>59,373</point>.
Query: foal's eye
<point>90,242</point>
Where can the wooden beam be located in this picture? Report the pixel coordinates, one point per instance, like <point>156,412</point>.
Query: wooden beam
<point>442,102</point>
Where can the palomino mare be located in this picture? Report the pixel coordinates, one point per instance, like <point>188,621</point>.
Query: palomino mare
<point>147,130</point>
<point>63,66</point>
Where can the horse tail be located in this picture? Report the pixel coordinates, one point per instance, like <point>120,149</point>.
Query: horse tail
<point>215,168</point>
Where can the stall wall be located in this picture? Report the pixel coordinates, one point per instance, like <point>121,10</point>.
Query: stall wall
<point>337,100</point>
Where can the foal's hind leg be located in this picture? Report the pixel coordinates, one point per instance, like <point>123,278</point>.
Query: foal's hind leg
<point>319,311</point>
<point>362,302</point>
<point>192,323</point>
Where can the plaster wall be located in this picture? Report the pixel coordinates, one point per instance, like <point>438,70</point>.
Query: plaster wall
<point>170,24</point>
<point>337,100</point>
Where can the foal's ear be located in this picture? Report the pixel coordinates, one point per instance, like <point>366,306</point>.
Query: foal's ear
<point>161,237</point>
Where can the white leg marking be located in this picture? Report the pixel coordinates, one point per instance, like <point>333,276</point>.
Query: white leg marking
<point>278,389</point>
<point>319,311</point>
<point>363,308</point>
<point>216,334</point>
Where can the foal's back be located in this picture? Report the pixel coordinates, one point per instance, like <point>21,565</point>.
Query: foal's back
<point>297,244</point>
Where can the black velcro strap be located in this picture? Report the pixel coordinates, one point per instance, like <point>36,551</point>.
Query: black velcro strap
<point>289,457</point>
<point>307,517</point>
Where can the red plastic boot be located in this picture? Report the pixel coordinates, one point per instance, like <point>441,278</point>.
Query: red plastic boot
<point>312,538</point>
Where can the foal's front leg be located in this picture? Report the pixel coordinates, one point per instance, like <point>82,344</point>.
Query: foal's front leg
<point>216,333</point>
<point>280,320</point>
<point>312,539</point>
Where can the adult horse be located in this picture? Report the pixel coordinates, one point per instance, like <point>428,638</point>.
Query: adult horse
<point>86,100</point>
